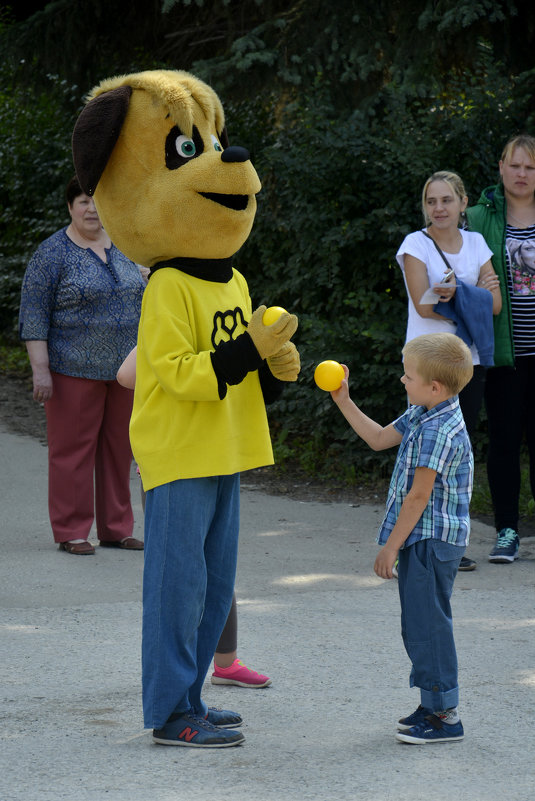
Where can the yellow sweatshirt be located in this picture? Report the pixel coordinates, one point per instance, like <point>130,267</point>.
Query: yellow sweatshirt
<point>180,428</point>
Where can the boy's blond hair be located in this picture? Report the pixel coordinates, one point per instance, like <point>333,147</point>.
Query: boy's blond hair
<point>441,357</point>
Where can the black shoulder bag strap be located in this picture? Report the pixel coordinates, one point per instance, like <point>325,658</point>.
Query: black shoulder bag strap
<point>446,262</point>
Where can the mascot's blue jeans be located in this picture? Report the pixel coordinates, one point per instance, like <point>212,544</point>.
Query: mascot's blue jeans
<point>191,547</point>
<point>426,572</point>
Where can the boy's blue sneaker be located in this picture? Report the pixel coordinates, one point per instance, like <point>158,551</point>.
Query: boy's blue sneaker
<point>466,564</point>
<point>507,546</point>
<point>432,730</point>
<point>196,732</point>
<point>223,718</point>
<point>404,724</point>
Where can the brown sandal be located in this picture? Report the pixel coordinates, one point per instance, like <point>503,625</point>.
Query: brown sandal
<point>128,544</point>
<point>77,548</point>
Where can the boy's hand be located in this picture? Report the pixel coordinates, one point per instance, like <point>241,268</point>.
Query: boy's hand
<point>385,561</point>
<point>342,392</point>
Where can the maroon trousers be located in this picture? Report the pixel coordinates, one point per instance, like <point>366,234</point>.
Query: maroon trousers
<point>89,458</point>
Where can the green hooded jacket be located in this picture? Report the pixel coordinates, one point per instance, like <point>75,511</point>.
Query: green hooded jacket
<point>489,218</point>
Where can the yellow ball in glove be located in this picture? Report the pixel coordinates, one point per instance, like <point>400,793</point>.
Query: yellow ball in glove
<point>272,314</point>
<point>328,375</point>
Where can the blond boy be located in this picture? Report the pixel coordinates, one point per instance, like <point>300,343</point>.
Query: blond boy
<point>426,525</point>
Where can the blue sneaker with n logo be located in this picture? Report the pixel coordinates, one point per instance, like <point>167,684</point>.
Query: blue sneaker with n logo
<point>197,732</point>
<point>507,546</point>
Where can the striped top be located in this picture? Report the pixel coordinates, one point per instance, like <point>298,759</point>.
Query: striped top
<point>520,254</point>
<point>437,439</point>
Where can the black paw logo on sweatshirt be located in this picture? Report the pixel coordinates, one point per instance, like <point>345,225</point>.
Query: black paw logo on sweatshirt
<point>226,324</point>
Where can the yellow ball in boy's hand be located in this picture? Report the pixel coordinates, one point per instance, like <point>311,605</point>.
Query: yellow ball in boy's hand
<point>328,375</point>
<point>272,314</point>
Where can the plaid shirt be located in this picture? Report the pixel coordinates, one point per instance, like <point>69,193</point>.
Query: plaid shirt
<point>436,439</point>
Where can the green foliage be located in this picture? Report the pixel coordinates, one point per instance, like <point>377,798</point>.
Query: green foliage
<point>357,48</point>
<point>14,360</point>
<point>35,164</point>
<point>346,109</point>
<point>341,189</point>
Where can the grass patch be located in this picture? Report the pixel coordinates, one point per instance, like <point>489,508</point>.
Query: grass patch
<point>14,361</point>
<point>481,501</point>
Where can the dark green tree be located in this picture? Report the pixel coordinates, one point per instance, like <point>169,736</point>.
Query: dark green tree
<point>247,44</point>
<point>346,109</point>
<point>35,164</point>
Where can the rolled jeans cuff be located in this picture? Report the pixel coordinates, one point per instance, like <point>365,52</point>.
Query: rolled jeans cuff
<point>438,700</point>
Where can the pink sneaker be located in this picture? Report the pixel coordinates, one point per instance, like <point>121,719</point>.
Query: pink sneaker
<point>240,675</point>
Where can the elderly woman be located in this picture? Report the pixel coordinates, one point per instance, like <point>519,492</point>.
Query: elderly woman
<point>80,306</point>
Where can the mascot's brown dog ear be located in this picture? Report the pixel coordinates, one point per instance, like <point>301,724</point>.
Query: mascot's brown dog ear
<point>95,134</point>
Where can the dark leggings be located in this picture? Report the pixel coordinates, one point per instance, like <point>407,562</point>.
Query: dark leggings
<point>510,404</point>
<point>471,398</point>
<point>228,642</point>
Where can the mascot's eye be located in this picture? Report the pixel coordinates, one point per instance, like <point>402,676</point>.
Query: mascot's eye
<point>185,147</point>
<point>216,144</point>
<point>180,149</point>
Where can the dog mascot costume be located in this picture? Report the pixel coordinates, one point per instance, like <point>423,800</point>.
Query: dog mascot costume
<point>152,149</point>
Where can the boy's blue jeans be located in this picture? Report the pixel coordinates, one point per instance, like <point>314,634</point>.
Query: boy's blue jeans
<point>191,545</point>
<point>426,572</point>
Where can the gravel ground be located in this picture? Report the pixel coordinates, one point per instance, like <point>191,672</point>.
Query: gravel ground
<point>312,616</point>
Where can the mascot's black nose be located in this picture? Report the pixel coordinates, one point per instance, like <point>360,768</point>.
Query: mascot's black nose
<point>234,153</point>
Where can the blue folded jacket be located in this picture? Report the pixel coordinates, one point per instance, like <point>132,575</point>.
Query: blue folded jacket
<point>471,309</point>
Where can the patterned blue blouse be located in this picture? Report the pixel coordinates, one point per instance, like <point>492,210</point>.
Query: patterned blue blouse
<point>87,310</point>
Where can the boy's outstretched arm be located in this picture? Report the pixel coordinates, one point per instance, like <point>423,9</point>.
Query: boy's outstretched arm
<point>376,436</point>
<point>411,510</point>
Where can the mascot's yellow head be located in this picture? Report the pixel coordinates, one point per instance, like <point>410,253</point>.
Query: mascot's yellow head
<point>152,149</point>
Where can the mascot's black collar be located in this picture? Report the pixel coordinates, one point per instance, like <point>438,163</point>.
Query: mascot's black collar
<point>218,270</point>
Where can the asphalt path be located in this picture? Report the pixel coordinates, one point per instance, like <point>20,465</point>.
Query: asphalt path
<point>312,615</point>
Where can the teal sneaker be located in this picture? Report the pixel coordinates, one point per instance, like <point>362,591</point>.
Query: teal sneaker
<point>507,546</point>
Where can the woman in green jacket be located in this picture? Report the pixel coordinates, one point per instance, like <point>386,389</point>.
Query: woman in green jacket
<point>505,216</point>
